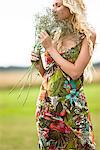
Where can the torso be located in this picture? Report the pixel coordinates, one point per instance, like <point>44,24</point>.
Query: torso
<point>68,43</point>
<point>69,50</point>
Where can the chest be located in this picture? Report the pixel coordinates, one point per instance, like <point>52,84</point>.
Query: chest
<point>67,45</point>
<point>69,54</point>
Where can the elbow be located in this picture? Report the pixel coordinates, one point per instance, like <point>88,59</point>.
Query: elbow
<point>76,75</point>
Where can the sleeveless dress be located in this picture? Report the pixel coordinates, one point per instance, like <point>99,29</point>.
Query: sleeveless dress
<point>62,115</point>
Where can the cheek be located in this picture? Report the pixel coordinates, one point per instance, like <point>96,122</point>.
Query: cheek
<point>66,12</point>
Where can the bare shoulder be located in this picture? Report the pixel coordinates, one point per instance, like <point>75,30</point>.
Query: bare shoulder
<point>93,37</point>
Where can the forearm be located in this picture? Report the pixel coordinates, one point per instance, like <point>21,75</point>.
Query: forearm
<point>42,71</point>
<point>39,67</point>
<point>68,67</point>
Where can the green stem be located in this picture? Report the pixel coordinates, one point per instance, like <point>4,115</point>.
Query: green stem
<point>29,73</point>
<point>20,80</point>
<point>30,77</point>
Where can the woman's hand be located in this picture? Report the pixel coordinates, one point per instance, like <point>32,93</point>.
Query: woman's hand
<point>37,62</point>
<point>34,57</point>
<point>46,41</point>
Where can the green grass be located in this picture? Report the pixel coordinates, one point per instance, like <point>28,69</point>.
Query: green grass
<point>17,122</point>
<point>92,92</point>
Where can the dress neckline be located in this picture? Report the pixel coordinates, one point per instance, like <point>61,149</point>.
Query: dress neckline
<point>69,49</point>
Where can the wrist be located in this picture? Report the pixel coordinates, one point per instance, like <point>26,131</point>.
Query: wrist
<point>51,49</point>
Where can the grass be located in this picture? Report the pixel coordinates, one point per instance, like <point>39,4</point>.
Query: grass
<point>17,122</point>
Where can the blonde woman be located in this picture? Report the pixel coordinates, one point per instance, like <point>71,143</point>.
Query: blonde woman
<point>62,114</point>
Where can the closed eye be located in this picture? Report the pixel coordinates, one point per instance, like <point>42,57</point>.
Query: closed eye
<point>56,4</point>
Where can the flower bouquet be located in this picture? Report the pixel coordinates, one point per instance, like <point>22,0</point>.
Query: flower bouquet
<point>41,22</point>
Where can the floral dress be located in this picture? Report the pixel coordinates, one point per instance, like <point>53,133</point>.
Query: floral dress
<point>62,115</point>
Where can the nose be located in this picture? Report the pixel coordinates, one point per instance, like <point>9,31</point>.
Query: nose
<point>54,10</point>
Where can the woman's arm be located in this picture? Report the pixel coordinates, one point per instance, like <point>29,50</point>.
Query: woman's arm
<point>76,69</point>
<point>37,63</point>
<point>40,68</point>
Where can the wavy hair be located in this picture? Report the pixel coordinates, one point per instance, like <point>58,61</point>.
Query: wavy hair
<point>78,19</point>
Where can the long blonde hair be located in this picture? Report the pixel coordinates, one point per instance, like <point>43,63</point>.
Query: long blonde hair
<point>78,20</point>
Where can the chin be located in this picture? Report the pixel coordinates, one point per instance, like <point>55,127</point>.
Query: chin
<point>58,19</point>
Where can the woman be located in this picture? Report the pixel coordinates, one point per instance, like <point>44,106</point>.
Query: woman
<point>62,114</point>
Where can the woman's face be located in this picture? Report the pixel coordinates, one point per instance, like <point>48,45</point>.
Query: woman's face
<point>60,11</point>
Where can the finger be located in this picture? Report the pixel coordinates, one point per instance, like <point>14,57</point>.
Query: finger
<point>34,58</point>
<point>43,34</point>
<point>33,54</point>
<point>40,36</point>
<point>42,39</point>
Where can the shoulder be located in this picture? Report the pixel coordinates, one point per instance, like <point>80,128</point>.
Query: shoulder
<point>92,37</point>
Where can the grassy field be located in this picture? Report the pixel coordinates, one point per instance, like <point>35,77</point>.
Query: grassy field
<point>17,122</point>
<point>10,78</point>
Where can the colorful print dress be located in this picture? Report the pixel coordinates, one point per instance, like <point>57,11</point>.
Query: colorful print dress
<point>62,115</point>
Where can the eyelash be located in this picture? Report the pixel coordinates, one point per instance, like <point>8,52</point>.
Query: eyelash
<point>57,6</point>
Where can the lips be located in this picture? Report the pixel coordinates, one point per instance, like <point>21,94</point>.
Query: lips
<point>54,14</point>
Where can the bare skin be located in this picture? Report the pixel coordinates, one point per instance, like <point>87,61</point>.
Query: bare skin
<point>60,11</point>
<point>38,63</point>
<point>76,69</point>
